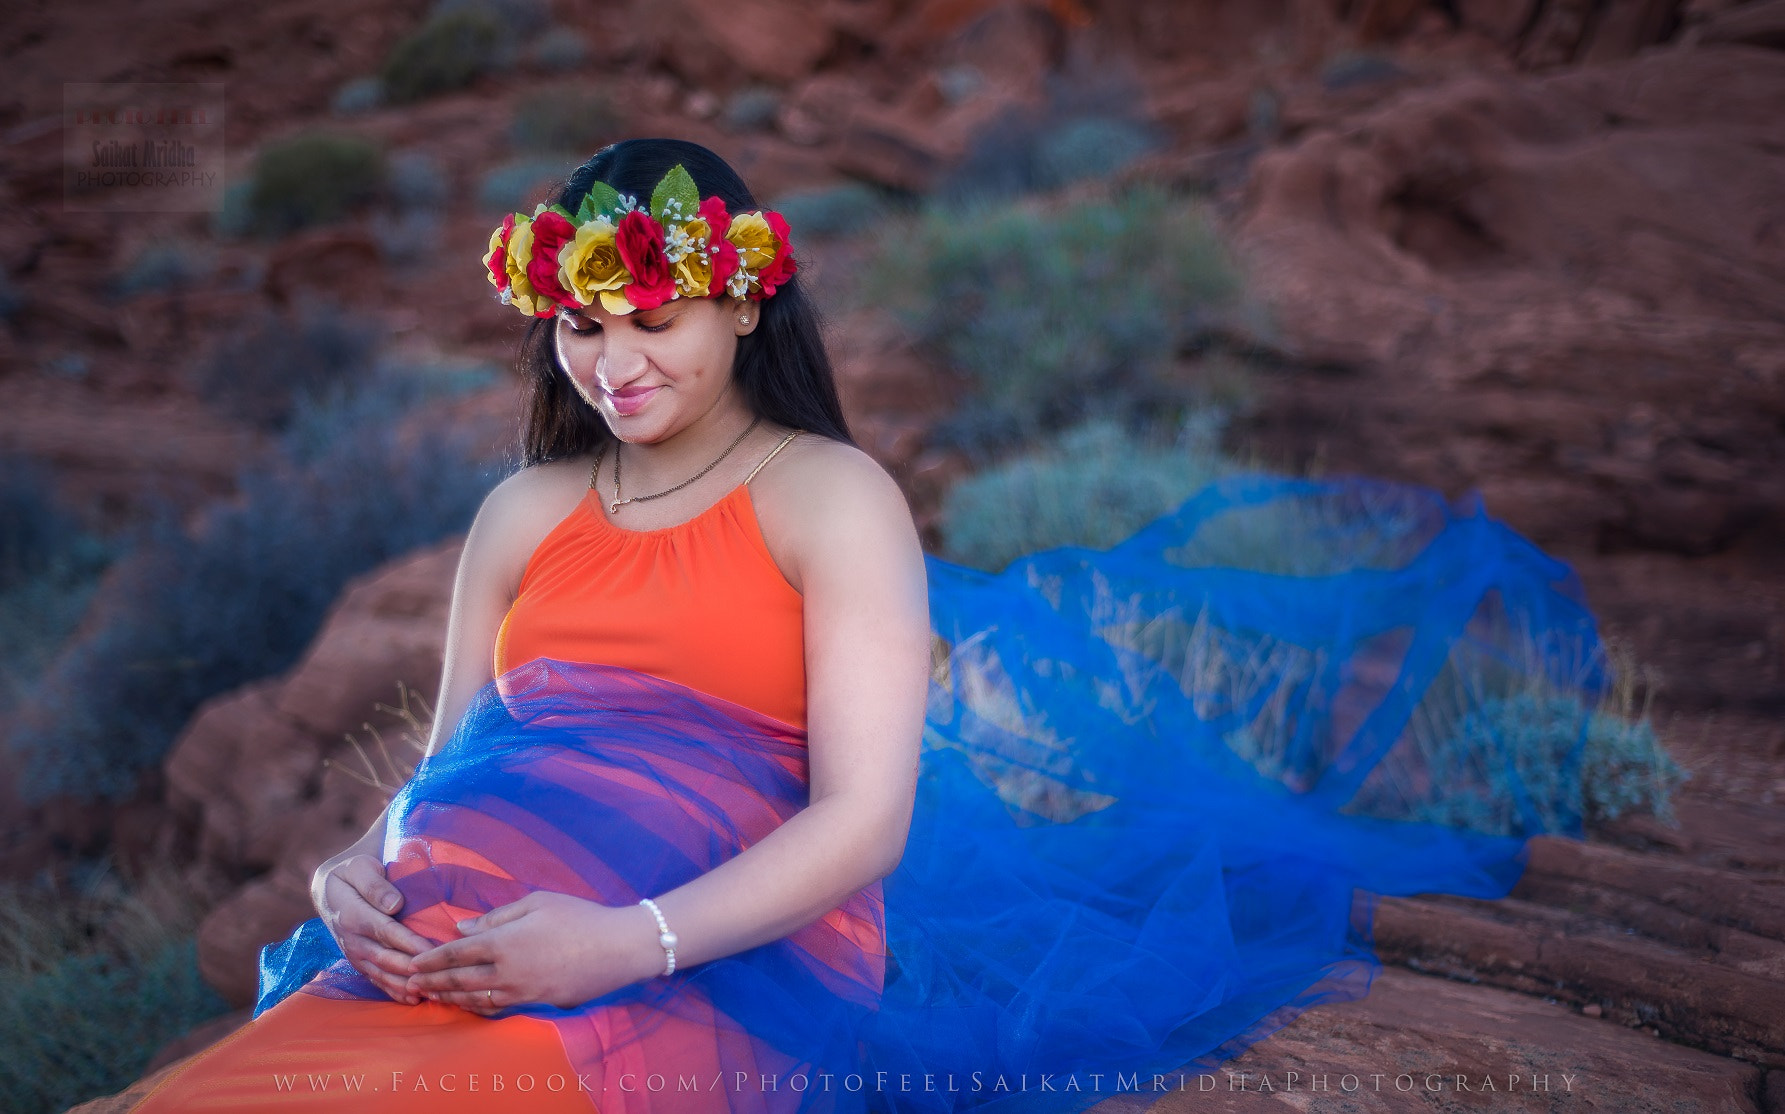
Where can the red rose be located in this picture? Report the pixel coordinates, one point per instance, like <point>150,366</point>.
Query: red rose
<point>550,233</point>
<point>498,263</point>
<point>712,210</point>
<point>783,267</point>
<point>640,240</point>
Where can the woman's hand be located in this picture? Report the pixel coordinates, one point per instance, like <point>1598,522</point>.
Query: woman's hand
<point>355,901</point>
<point>546,947</point>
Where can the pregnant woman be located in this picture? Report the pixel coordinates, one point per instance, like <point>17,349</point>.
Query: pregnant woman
<point>738,801</point>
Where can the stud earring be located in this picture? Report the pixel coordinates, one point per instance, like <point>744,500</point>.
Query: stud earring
<point>743,320</point>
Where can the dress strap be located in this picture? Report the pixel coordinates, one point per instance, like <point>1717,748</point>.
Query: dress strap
<point>771,455</point>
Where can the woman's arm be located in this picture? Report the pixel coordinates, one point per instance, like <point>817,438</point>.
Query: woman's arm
<point>866,605</point>
<point>512,521</point>
<point>349,889</point>
<point>867,638</point>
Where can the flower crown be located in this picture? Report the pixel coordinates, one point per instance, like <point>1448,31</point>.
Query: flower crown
<point>633,258</point>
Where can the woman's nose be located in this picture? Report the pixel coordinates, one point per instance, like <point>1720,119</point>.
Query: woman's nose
<point>618,365</point>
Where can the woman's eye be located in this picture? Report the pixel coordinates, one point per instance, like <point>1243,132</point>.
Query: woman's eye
<point>653,328</point>
<point>578,323</point>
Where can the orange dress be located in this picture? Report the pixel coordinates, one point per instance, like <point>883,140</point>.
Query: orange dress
<point>701,603</point>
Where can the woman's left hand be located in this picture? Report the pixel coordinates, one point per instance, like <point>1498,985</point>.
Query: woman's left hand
<point>546,947</point>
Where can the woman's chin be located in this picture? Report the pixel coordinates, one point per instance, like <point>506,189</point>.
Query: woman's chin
<point>642,429</point>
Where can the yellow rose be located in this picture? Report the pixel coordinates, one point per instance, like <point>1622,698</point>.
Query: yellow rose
<point>591,267</point>
<point>496,269</point>
<point>521,294</point>
<point>756,242</point>
<point>692,271</point>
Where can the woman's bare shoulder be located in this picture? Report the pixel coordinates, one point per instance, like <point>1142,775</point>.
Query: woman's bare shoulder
<point>830,500</point>
<point>828,468</point>
<point>523,508</point>
<point>539,488</point>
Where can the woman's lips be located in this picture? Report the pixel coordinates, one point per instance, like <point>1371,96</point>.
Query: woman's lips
<point>632,401</point>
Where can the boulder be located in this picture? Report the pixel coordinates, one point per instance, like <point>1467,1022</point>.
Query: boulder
<point>1492,262</point>
<point>723,43</point>
<point>1419,1043</point>
<point>1761,24</point>
<point>269,782</point>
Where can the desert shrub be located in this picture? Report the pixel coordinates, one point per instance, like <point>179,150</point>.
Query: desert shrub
<point>163,265</point>
<point>517,16</point>
<point>1087,127</point>
<point>259,372</point>
<point>515,185</point>
<point>207,610</point>
<point>329,423</point>
<point>234,218</point>
<point>559,49</point>
<point>1519,727</point>
<point>1601,764</point>
<point>831,210</point>
<point>60,1049</point>
<point>99,977</point>
<point>1018,154</point>
<point>1494,744</point>
<point>67,365</point>
<point>413,236</point>
<point>362,94</point>
<point>960,82</point>
<point>1054,312</point>
<point>418,180</point>
<point>1627,769</point>
<point>1519,735</point>
<point>449,51</point>
<point>1092,147</point>
<point>1342,529</point>
<point>11,298</point>
<point>313,178</point>
<point>750,109</point>
<point>1092,485</point>
<point>574,119</point>
<point>40,537</point>
<point>49,566</point>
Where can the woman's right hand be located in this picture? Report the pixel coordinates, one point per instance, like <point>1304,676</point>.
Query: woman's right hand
<point>355,901</point>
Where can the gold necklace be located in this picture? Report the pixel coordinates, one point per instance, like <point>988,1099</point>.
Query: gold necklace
<point>619,502</point>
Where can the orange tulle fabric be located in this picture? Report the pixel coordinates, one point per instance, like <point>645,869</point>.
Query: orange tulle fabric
<point>701,603</point>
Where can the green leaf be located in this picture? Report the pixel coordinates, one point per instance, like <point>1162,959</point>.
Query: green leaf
<point>601,201</point>
<point>677,186</point>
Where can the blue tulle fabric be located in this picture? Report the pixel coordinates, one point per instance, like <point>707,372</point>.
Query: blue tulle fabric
<point>1161,787</point>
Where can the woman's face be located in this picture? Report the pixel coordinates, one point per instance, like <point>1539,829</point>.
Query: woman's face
<point>653,372</point>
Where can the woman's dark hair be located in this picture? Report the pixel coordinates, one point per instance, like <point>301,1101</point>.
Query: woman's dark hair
<point>782,367</point>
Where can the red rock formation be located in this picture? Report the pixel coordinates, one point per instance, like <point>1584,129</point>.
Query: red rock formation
<point>1406,1045</point>
<point>1563,292</point>
<point>247,781</point>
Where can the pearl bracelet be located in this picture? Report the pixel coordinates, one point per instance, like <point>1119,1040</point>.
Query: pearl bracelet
<point>664,935</point>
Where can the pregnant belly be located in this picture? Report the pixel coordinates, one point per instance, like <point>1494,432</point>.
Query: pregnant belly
<point>611,786</point>
<point>587,821</point>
